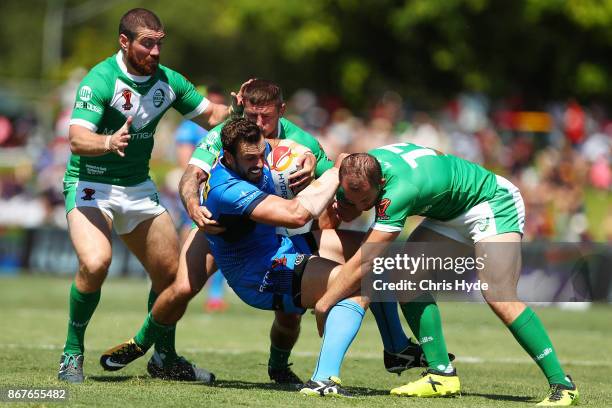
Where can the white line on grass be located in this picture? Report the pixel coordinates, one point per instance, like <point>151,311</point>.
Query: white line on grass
<point>359,355</point>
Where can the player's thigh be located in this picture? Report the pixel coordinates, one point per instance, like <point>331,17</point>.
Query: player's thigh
<point>155,243</point>
<point>90,233</point>
<point>287,320</point>
<point>501,258</point>
<point>318,274</point>
<point>338,245</point>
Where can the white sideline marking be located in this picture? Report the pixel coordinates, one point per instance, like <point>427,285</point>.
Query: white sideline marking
<point>358,355</point>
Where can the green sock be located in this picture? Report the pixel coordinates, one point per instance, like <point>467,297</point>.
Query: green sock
<point>165,343</point>
<point>150,333</point>
<point>279,358</point>
<point>528,330</point>
<point>82,307</point>
<point>423,317</point>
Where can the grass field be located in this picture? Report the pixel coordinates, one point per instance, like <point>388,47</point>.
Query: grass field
<point>493,369</point>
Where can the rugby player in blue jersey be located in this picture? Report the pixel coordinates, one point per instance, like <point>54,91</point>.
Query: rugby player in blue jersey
<point>270,271</point>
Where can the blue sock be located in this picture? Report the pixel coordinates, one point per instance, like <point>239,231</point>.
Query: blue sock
<point>216,286</point>
<point>390,327</point>
<point>341,327</point>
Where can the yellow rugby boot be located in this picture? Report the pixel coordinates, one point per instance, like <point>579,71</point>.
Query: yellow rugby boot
<point>561,395</point>
<point>434,383</point>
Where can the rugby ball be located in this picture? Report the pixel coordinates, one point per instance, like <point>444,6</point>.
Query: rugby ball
<point>282,160</point>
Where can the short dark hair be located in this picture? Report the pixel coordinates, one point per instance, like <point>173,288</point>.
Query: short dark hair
<point>360,167</point>
<point>239,130</point>
<point>263,92</point>
<point>137,18</point>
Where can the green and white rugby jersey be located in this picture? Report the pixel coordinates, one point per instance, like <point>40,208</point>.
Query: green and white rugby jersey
<point>423,181</point>
<point>106,97</point>
<point>208,149</point>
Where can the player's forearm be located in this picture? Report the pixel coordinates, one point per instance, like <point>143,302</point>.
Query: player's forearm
<point>317,196</point>
<point>214,114</point>
<point>189,187</point>
<point>84,142</point>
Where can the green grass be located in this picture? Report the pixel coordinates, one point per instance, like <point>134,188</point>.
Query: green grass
<point>493,369</point>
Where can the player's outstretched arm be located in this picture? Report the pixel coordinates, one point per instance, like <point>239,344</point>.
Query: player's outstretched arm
<point>214,114</point>
<point>308,204</point>
<point>84,142</point>
<point>348,281</point>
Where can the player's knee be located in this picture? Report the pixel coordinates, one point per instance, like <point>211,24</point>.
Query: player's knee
<point>94,266</point>
<point>183,291</point>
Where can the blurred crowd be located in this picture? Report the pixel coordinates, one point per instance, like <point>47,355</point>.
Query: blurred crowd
<point>559,156</point>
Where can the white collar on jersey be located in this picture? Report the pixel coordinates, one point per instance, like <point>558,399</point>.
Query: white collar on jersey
<point>123,68</point>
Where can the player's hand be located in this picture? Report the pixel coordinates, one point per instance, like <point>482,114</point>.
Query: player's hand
<point>346,212</point>
<point>321,310</point>
<point>237,106</point>
<point>119,140</point>
<point>303,177</point>
<point>203,219</point>
<point>339,159</point>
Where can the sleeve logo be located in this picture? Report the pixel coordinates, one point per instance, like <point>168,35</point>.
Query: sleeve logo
<point>381,209</point>
<point>85,93</point>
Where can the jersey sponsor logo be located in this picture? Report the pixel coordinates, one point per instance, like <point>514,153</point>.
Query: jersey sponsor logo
<point>85,93</point>
<point>133,136</point>
<point>95,170</point>
<point>381,209</point>
<point>141,135</point>
<point>158,98</point>
<point>127,95</point>
<point>89,194</point>
<point>88,106</point>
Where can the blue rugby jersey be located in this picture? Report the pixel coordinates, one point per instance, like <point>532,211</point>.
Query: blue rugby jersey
<point>244,251</point>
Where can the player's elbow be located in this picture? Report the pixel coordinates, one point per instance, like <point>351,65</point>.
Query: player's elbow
<point>74,146</point>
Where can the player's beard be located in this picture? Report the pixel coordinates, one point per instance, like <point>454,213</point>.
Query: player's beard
<point>144,66</point>
<point>247,175</point>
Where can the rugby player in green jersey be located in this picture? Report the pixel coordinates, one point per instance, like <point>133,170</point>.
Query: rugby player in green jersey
<point>264,105</point>
<point>462,203</point>
<point>118,106</point>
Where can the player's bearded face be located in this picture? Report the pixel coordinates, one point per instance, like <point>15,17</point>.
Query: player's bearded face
<point>249,160</point>
<point>143,52</point>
